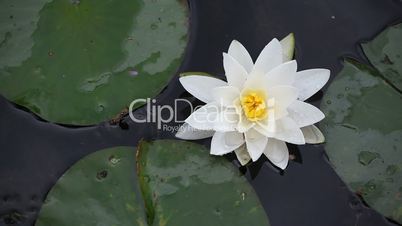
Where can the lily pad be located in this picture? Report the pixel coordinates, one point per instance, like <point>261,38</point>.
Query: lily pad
<point>184,185</point>
<point>385,53</point>
<point>180,183</point>
<point>363,127</point>
<point>82,62</point>
<point>101,189</point>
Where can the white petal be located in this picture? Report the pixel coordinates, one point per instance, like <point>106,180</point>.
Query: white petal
<point>242,155</point>
<point>313,135</point>
<point>187,132</point>
<point>283,96</point>
<point>255,143</point>
<point>255,81</point>
<point>284,74</point>
<point>275,112</point>
<point>227,120</point>
<point>270,57</point>
<point>225,142</point>
<point>304,114</point>
<point>267,126</point>
<point>277,152</point>
<point>241,55</point>
<point>235,73</point>
<point>205,117</point>
<point>244,124</point>
<point>199,86</point>
<point>287,130</point>
<point>264,129</point>
<point>225,95</point>
<point>288,47</point>
<point>310,81</point>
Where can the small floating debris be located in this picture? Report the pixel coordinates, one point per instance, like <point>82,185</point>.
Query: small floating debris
<point>366,157</point>
<point>133,72</point>
<point>119,117</point>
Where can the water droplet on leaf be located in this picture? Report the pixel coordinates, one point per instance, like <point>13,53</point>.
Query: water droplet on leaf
<point>101,175</point>
<point>391,169</point>
<point>243,196</point>
<point>114,160</point>
<point>154,26</point>
<point>100,108</point>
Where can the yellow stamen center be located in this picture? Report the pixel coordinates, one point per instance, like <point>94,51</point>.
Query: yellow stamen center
<point>254,107</point>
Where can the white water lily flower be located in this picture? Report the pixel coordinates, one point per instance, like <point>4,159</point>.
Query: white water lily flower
<point>260,107</point>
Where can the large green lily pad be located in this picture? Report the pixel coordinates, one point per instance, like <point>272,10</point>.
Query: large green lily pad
<point>184,185</point>
<point>82,62</point>
<point>363,127</point>
<point>100,190</point>
<point>180,183</point>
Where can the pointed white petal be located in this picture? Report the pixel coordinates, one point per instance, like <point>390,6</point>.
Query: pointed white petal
<point>225,142</point>
<point>205,117</point>
<point>227,120</point>
<point>255,143</point>
<point>255,81</point>
<point>270,57</point>
<point>186,132</point>
<point>310,81</point>
<point>304,114</point>
<point>235,73</point>
<point>199,86</point>
<point>284,74</point>
<point>241,55</point>
<point>277,152</point>
<point>313,135</point>
<point>283,96</point>
<point>288,47</point>
<point>225,95</point>
<point>287,130</point>
<point>264,130</point>
<point>242,155</point>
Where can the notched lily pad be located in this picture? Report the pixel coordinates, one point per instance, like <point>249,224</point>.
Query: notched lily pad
<point>82,62</point>
<point>184,185</point>
<point>180,183</point>
<point>363,127</point>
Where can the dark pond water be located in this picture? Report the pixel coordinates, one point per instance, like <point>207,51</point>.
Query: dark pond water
<point>34,153</point>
